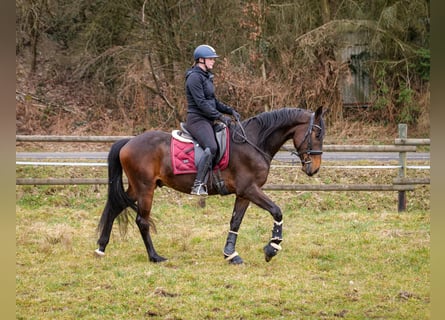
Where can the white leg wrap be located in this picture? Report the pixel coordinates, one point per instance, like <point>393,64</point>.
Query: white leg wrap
<point>233,255</point>
<point>99,253</point>
<point>276,246</point>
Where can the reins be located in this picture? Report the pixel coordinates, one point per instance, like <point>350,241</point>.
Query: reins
<point>245,139</point>
<point>307,136</point>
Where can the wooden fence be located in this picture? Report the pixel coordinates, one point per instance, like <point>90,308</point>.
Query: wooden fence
<point>401,183</point>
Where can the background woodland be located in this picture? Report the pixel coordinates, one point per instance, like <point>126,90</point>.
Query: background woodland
<point>117,66</point>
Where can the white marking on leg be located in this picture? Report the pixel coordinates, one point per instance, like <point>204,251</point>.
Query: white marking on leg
<point>276,246</point>
<point>233,255</point>
<point>99,253</point>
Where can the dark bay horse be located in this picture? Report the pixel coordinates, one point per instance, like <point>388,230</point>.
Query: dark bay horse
<point>145,159</point>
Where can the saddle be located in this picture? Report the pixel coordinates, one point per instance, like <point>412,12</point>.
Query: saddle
<point>186,151</point>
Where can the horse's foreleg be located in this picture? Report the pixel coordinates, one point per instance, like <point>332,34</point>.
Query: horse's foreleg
<point>239,210</point>
<point>258,197</point>
<point>144,223</point>
<point>272,248</point>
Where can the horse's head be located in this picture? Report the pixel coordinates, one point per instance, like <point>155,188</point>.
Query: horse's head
<point>308,141</point>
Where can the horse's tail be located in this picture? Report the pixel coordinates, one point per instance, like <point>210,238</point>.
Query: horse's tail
<point>117,199</point>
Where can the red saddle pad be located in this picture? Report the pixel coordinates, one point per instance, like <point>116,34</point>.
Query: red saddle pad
<point>183,157</point>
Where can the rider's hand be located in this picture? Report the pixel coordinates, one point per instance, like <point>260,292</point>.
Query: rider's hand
<point>224,119</point>
<point>236,115</point>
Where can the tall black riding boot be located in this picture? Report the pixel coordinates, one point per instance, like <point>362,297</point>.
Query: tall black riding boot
<point>199,187</point>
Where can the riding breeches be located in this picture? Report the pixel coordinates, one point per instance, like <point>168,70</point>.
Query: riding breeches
<point>202,130</point>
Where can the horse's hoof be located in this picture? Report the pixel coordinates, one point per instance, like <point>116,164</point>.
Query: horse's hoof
<point>99,253</point>
<point>236,260</point>
<point>158,259</point>
<point>233,258</point>
<point>270,251</point>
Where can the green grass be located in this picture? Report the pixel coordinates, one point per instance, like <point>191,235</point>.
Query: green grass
<point>345,255</point>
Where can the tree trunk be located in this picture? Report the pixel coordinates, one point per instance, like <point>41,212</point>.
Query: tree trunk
<point>325,11</point>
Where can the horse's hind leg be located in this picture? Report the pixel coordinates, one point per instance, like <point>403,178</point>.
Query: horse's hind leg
<point>144,223</point>
<point>106,225</point>
<point>239,210</point>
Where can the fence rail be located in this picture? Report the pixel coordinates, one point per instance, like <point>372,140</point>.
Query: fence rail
<point>401,184</point>
<point>398,147</point>
<point>50,138</point>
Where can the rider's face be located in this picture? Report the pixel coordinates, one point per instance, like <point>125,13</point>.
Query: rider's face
<point>209,62</point>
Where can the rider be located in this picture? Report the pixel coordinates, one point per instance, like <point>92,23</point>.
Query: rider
<point>202,111</point>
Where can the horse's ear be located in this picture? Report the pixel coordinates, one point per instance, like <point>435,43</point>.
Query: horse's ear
<point>320,111</point>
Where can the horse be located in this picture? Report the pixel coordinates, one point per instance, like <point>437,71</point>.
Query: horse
<point>146,161</point>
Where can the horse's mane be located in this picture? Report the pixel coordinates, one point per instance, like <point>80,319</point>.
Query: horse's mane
<point>269,121</point>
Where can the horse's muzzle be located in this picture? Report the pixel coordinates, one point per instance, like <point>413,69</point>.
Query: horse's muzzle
<point>311,172</point>
<point>311,166</point>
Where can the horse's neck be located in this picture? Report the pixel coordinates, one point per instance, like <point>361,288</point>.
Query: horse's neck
<point>279,137</point>
<point>277,140</point>
<point>272,143</point>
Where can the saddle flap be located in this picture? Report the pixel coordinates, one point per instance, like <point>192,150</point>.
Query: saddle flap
<point>221,134</point>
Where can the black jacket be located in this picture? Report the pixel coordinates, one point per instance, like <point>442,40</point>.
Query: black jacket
<point>200,93</point>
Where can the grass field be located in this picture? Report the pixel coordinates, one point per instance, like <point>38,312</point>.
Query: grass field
<point>345,255</point>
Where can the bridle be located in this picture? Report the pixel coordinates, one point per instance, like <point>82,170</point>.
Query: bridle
<point>308,136</point>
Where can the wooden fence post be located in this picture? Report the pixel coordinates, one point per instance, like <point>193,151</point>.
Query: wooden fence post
<point>403,134</point>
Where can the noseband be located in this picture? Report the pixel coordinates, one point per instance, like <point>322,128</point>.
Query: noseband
<point>308,136</point>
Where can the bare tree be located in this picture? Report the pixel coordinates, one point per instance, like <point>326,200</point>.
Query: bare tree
<point>133,53</point>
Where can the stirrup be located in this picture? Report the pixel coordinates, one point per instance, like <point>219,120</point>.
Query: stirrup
<point>199,190</point>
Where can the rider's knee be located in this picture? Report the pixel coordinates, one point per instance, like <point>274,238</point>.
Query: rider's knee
<point>211,150</point>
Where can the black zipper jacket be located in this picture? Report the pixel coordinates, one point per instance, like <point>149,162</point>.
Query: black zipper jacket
<point>200,93</point>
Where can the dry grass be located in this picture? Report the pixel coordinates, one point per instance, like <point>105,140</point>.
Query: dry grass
<point>345,255</point>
